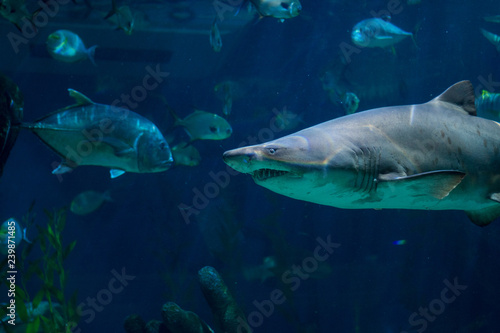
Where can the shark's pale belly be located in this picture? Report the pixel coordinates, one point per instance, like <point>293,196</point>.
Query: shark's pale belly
<point>388,197</point>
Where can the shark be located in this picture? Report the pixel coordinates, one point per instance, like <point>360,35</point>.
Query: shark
<point>434,156</point>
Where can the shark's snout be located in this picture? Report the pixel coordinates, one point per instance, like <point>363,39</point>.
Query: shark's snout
<point>239,159</point>
<point>258,161</point>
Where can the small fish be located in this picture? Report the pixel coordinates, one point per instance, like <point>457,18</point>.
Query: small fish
<point>226,88</point>
<point>281,9</point>
<point>287,120</point>
<point>122,17</point>
<point>202,125</point>
<point>44,308</point>
<point>494,39</point>
<point>88,202</point>
<point>11,230</point>
<point>399,242</point>
<point>228,105</point>
<point>488,103</point>
<point>15,11</point>
<point>64,45</point>
<point>261,272</point>
<point>215,38</point>
<point>377,32</point>
<point>350,102</point>
<point>88,133</point>
<point>186,154</point>
<point>494,19</point>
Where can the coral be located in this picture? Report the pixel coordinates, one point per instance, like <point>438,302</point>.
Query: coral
<point>134,324</point>
<point>227,315</point>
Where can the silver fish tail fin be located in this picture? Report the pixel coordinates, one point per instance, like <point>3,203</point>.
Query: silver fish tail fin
<point>25,238</point>
<point>492,38</point>
<point>91,54</point>
<point>414,34</point>
<point>113,11</point>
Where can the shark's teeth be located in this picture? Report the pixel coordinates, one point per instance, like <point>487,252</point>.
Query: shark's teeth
<point>263,174</point>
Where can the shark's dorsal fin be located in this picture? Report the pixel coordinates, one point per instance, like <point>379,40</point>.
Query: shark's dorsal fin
<point>460,96</point>
<point>80,98</point>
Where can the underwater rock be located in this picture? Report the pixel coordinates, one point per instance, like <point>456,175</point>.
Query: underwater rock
<point>156,326</point>
<point>178,320</point>
<point>134,324</point>
<point>227,315</point>
<point>11,112</point>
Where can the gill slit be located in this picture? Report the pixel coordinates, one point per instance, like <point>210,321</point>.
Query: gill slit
<point>368,162</point>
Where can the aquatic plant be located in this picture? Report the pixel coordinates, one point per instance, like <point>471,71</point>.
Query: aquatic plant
<point>49,309</point>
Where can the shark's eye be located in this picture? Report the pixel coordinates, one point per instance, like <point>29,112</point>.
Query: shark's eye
<point>271,151</point>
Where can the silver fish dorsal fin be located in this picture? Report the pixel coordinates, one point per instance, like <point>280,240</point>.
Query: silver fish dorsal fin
<point>460,96</point>
<point>80,98</point>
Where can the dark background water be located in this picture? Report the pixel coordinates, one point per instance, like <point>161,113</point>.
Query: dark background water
<point>368,284</point>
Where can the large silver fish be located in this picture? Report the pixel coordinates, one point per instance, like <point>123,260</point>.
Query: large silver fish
<point>437,156</point>
<point>88,133</point>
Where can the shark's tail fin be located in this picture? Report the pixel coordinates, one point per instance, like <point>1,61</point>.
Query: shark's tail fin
<point>11,113</point>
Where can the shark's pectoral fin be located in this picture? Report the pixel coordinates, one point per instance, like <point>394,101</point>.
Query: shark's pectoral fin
<point>483,217</point>
<point>437,184</point>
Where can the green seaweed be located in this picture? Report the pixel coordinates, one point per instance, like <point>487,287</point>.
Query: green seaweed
<point>61,315</point>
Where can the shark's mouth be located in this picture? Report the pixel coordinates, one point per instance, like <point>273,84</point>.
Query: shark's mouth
<point>263,174</point>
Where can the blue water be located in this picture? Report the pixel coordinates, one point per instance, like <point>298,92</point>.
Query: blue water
<point>368,283</point>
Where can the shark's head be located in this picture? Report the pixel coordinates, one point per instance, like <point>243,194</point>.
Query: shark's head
<point>292,165</point>
<point>270,160</point>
